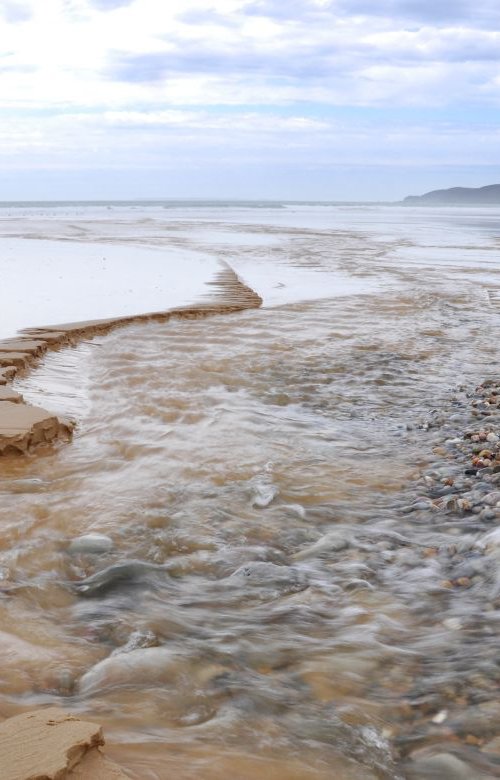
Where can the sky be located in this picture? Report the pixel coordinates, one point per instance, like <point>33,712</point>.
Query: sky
<point>284,99</point>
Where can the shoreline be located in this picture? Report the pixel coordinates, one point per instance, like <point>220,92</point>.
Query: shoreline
<point>23,427</point>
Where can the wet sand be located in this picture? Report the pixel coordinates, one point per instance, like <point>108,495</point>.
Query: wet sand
<point>23,427</point>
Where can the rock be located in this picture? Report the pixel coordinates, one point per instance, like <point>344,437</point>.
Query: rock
<point>145,666</point>
<point>264,495</point>
<point>487,514</point>
<point>137,640</point>
<point>441,766</point>
<point>268,579</point>
<point>333,542</point>
<point>492,499</point>
<point>493,746</point>
<point>118,575</point>
<point>49,744</point>
<point>93,543</point>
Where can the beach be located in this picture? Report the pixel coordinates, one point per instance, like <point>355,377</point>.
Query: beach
<point>262,542</point>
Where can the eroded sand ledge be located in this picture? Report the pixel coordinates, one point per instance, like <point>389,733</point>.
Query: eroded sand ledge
<point>51,744</point>
<point>23,427</point>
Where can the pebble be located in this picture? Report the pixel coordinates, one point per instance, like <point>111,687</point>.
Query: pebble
<point>269,578</point>
<point>492,499</point>
<point>440,717</point>
<point>452,623</point>
<point>264,495</point>
<point>137,640</point>
<point>441,766</point>
<point>95,544</point>
<point>487,514</point>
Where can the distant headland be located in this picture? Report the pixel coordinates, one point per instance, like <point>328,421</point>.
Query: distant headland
<point>456,196</point>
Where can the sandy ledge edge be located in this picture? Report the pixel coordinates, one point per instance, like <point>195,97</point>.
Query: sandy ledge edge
<point>25,428</point>
<point>51,744</point>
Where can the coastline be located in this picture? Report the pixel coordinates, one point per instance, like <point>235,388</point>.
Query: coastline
<point>23,427</point>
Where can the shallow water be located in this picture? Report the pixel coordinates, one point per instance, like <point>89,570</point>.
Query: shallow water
<point>278,600</point>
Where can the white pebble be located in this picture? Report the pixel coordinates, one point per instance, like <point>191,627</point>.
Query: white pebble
<point>91,543</point>
<point>440,717</point>
<point>453,623</point>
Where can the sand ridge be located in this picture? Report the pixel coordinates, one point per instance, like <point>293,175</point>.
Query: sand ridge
<point>23,427</point>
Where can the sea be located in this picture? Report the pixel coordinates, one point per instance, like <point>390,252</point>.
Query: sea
<point>252,560</point>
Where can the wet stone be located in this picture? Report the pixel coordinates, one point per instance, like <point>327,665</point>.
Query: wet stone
<point>269,578</point>
<point>442,766</point>
<point>91,544</point>
<point>119,576</point>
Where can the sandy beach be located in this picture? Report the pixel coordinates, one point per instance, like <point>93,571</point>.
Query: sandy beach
<point>268,547</point>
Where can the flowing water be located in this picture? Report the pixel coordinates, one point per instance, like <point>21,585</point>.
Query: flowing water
<point>287,595</point>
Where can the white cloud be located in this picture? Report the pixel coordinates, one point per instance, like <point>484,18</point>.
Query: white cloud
<point>113,83</point>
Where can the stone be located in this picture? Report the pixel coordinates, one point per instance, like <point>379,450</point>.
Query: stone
<point>92,543</point>
<point>492,499</point>
<point>264,495</point>
<point>441,766</point>
<point>144,666</point>
<point>119,575</point>
<point>267,579</point>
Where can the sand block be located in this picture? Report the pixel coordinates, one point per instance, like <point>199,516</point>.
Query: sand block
<point>7,373</point>
<point>18,359</point>
<point>8,394</point>
<point>45,745</point>
<point>50,337</point>
<point>23,427</point>
<point>32,346</point>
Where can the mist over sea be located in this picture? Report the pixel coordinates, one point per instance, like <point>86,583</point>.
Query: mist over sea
<point>301,573</point>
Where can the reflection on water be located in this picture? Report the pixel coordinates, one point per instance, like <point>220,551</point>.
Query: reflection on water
<point>280,597</point>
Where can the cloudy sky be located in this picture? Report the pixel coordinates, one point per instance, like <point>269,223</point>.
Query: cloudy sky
<point>299,99</point>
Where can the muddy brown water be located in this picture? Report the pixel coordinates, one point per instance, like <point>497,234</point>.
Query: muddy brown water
<point>279,612</point>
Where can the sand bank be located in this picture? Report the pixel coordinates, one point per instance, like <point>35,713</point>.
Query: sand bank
<point>23,427</point>
<point>51,744</point>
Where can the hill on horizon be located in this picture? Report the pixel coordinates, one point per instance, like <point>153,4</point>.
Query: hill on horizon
<point>459,195</point>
